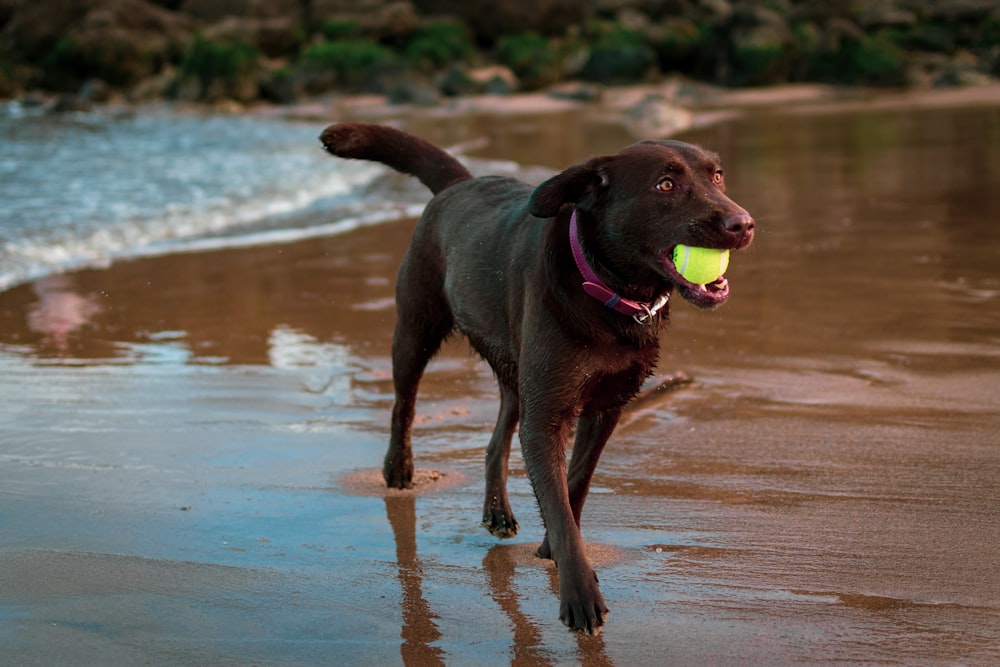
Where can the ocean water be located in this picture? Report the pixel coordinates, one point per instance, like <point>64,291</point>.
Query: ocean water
<point>88,189</point>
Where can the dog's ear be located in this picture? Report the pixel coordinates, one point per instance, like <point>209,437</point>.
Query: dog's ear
<point>568,187</point>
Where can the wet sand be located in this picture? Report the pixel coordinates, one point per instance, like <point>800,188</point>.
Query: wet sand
<point>189,443</point>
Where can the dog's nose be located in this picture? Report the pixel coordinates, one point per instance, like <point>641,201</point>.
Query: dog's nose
<point>739,224</point>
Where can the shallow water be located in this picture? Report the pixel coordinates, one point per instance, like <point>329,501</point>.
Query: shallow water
<point>203,426</point>
<point>87,189</point>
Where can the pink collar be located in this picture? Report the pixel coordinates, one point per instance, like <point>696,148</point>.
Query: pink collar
<point>642,312</point>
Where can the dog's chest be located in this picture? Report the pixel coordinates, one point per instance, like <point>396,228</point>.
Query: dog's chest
<point>612,377</point>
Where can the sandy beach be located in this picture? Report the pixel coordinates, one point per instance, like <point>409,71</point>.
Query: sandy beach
<point>190,443</point>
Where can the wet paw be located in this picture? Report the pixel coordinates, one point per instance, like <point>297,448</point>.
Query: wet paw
<point>398,477</point>
<point>544,550</point>
<point>582,607</point>
<point>500,523</point>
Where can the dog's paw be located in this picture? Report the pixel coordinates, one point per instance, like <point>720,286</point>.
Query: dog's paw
<point>500,523</point>
<point>581,605</point>
<point>398,477</point>
<point>544,550</point>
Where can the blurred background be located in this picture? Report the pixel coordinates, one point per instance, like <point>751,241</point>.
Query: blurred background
<point>420,50</point>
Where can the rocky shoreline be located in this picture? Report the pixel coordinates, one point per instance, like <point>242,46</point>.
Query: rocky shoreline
<point>427,52</point>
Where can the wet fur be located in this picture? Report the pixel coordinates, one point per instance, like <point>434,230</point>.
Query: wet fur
<point>491,258</point>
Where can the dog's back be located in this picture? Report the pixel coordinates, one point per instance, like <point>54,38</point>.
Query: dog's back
<point>479,273</point>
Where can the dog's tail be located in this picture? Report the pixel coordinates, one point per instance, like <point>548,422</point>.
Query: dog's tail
<point>403,152</point>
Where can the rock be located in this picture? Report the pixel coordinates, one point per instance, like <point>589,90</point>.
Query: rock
<point>213,69</point>
<point>459,80</point>
<point>69,103</point>
<point>33,100</point>
<point>654,116</point>
<point>494,80</point>
<point>375,20</point>
<point>715,9</point>
<point>877,16</point>
<point>499,85</point>
<point>315,81</point>
<point>156,87</point>
<point>324,9</point>
<point>818,11</point>
<point>95,90</point>
<point>281,86</point>
<point>958,10</point>
<point>761,45</point>
<point>36,27</point>
<point>274,37</point>
<point>991,61</point>
<point>7,9</point>
<point>399,79</point>
<point>632,19</point>
<point>679,45</point>
<point>413,91</point>
<point>836,31</point>
<point>455,82</point>
<point>119,41</point>
<point>533,59</point>
<point>216,10</point>
<point>960,71</point>
<point>617,65</point>
<point>491,19</point>
<point>397,19</point>
<point>577,92</point>
<point>654,9</point>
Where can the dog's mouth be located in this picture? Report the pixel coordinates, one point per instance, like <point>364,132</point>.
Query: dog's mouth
<point>704,296</point>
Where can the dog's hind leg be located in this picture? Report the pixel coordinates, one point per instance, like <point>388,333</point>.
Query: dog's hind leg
<point>423,320</point>
<point>498,518</point>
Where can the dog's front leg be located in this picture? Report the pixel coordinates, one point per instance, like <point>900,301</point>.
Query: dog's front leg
<point>592,433</point>
<point>543,437</point>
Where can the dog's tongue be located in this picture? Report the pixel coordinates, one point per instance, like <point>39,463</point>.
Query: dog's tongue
<point>703,296</point>
<point>706,296</point>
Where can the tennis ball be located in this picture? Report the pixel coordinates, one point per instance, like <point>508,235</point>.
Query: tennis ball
<point>700,265</point>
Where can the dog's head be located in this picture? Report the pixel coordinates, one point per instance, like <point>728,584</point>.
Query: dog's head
<point>635,206</point>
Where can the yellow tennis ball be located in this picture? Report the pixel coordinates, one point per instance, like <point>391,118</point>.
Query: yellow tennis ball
<point>700,265</point>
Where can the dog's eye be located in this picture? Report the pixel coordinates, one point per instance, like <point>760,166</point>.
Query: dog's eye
<point>665,185</point>
<point>717,177</point>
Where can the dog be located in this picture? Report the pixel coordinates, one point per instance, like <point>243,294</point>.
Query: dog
<point>563,289</point>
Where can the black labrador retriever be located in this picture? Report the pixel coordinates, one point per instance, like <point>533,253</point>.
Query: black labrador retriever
<point>562,289</point>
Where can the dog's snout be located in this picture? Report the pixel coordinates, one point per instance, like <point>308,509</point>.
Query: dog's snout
<point>739,224</point>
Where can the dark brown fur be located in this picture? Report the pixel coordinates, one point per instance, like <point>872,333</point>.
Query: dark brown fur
<point>491,258</point>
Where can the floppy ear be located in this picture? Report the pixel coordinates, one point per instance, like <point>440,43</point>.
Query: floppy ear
<point>568,187</point>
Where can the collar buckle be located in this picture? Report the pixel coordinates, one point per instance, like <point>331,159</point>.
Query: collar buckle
<point>649,311</point>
